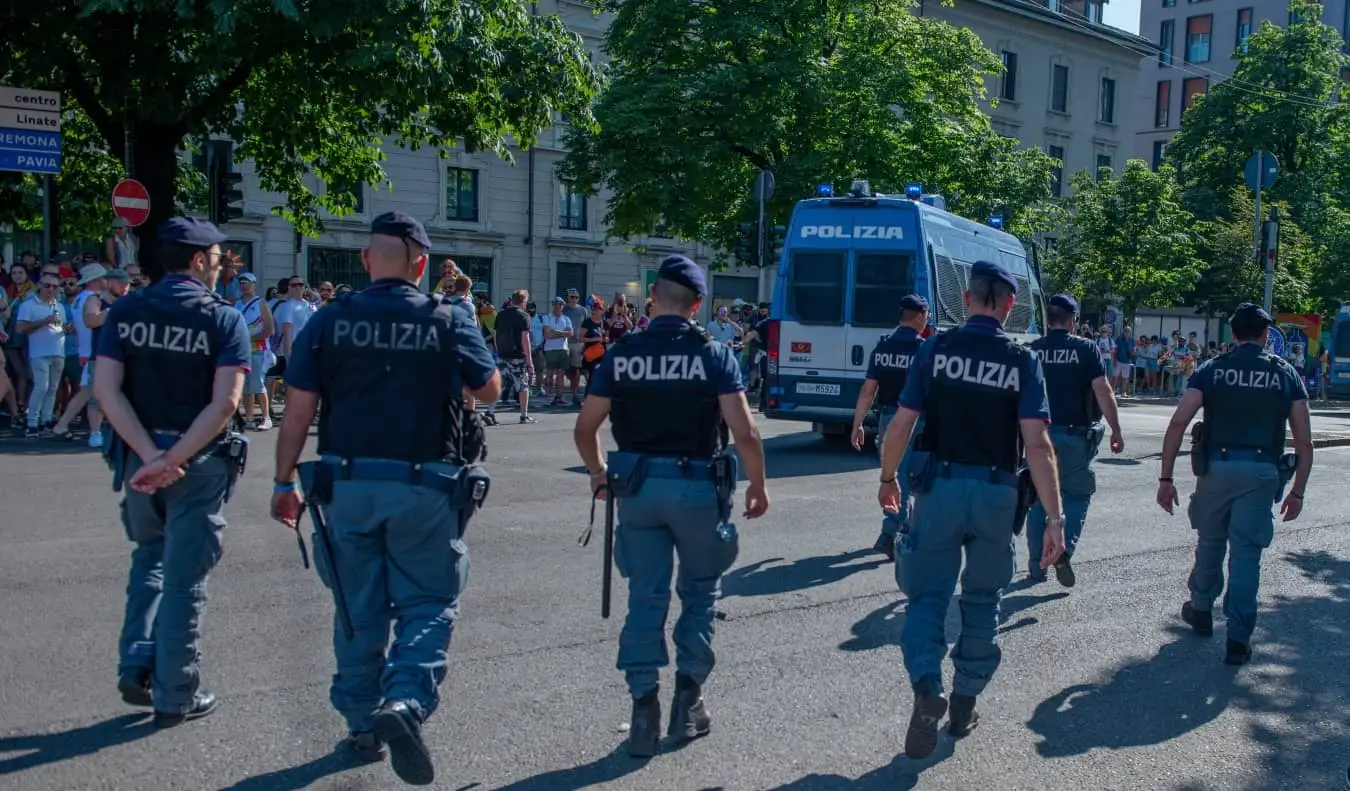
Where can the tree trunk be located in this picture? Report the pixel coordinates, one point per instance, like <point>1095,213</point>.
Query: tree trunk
<point>155,164</point>
<point>54,220</point>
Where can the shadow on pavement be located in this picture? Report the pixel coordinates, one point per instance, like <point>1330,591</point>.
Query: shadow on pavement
<point>806,453</point>
<point>901,774</point>
<point>881,627</point>
<point>48,748</point>
<point>761,579</point>
<point>1118,461</point>
<point>296,777</point>
<point>1292,692</point>
<point>607,769</point>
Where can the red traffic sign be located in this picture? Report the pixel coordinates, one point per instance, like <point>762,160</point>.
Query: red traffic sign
<point>131,201</point>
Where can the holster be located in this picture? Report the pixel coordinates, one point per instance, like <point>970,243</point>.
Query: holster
<point>473,436</point>
<point>1199,449</point>
<point>115,451</point>
<point>1288,465</point>
<point>1026,497</point>
<point>235,452</point>
<point>627,473</point>
<point>724,481</point>
<point>1095,435</point>
<point>316,481</point>
<point>473,486</point>
<point>922,471</point>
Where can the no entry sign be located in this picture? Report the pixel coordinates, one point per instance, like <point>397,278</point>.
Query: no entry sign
<point>131,202</point>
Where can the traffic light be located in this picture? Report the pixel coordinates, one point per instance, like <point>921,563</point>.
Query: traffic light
<point>226,193</point>
<point>746,251</point>
<point>777,236</point>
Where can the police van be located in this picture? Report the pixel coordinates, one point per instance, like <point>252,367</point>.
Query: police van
<point>846,262</point>
<point>1338,375</point>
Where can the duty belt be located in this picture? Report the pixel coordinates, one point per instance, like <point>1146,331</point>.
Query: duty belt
<point>1075,431</point>
<point>975,472</point>
<point>1243,454</point>
<point>435,475</point>
<point>675,467</point>
<point>165,440</point>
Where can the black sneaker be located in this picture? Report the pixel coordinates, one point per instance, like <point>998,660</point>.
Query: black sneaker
<point>524,418</point>
<point>32,433</point>
<point>689,718</point>
<point>644,731</point>
<point>1064,572</point>
<point>1201,622</point>
<point>364,746</point>
<point>489,419</point>
<point>964,717</point>
<point>205,704</point>
<point>885,545</point>
<point>399,727</point>
<point>1237,653</point>
<point>135,687</point>
<point>1036,574</point>
<point>929,707</point>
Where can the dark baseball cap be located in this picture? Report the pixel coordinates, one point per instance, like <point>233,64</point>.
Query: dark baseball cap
<point>681,270</point>
<point>400,226</point>
<point>1064,302</point>
<point>913,302</point>
<point>1251,314</point>
<point>993,271</point>
<point>191,232</point>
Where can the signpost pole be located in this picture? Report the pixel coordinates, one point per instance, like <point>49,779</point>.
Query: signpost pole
<point>46,219</point>
<point>1257,213</point>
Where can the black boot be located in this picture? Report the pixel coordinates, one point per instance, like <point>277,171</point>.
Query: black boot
<point>1238,653</point>
<point>134,684</point>
<point>202,706</point>
<point>398,726</point>
<point>929,707</point>
<point>364,746</point>
<point>689,718</point>
<point>644,732</point>
<point>1201,622</point>
<point>1064,572</point>
<point>964,717</point>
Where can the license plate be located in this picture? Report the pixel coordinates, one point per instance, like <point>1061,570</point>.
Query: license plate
<point>815,388</point>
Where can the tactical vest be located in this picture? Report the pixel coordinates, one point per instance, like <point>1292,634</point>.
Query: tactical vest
<point>1247,402</point>
<point>170,345</point>
<point>653,411</point>
<point>388,383</point>
<point>891,360</point>
<point>970,409</point>
<point>1067,362</point>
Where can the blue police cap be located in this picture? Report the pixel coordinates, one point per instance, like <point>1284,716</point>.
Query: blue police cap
<point>1064,302</point>
<point>190,231</point>
<point>678,269</point>
<point>400,226</point>
<point>1251,313</point>
<point>913,302</point>
<point>993,271</point>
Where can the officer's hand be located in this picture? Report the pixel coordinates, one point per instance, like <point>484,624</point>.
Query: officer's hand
<point>1167,495</point>
<point>888,495</point>
<point>1053,546</point>
<point>156,474</point>
<point>286,508</point>
<point>1117,443</point>
<point>598,488</point>
<point>756,501</point>
<point>1292,506</point>
<point>859,437</point>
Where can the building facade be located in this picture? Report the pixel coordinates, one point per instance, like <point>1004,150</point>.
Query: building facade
<point>1197,47</point>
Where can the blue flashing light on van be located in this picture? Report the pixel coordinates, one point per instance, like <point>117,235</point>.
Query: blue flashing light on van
<point>845,264</point>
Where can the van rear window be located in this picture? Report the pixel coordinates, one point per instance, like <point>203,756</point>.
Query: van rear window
<point>1340,346</point>
<point>880,280</point>
<point>816,288</point>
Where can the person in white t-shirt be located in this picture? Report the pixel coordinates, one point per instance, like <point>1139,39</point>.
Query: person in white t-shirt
<point>293,314</point>
<point>43,320</point>
<point>557,358</point>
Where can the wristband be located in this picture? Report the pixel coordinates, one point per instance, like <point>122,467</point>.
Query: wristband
<point>282,487</point>
<point>888,480</point>
<point>1296,494</point>
<point>1167,479</point>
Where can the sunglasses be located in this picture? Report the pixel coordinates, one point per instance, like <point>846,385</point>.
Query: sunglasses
<point>70,283</point>
<point>295,285</point>
<point>51,285</point>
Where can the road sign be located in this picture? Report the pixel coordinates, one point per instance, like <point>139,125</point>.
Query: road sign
<point>1261,170</point>
<point>764,185</point>
<point>131,201</point>
<point>30,130</point>
<point>25,99</point>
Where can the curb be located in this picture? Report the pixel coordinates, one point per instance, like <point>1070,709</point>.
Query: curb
<point>1331,442</point>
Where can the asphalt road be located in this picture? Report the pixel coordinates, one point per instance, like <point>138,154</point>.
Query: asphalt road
<point>1101,688</point>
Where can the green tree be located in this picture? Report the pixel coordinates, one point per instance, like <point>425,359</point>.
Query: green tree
<point>305,88</point>
<point>1232,274</point>
<point>702,95</point>
<point>1128,236</point>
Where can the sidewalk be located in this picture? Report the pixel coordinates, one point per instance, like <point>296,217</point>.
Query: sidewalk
<point>1333,437</point>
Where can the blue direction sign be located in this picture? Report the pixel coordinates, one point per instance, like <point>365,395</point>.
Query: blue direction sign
<point>30,130</point>
<point>1261,170</point>
<point>30,161</point>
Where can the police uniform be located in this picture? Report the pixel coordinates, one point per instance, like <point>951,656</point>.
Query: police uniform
<point>1247,397</point>
<point>888,367</point>
<point>663,385</point>
<point>973,385</point>
<point>1071,365</point>
<point>171,338</point>
<point>387,495</point>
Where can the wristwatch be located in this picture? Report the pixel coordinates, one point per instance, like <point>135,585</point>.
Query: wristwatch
<point>1055,521</point>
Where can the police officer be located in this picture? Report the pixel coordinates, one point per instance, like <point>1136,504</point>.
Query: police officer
<point>1080,394</point>
<point>172,367</point>
<point>1248,395</point>
<point>886,371</point>
<point>386,495</point>
<point>668,392</point>
<point>983,399</point>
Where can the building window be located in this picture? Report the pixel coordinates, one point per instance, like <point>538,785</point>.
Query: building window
<point>1092,11</point>
<point>1103,163</point>
<point>1008,88</point>
<point>571,208</point>
<point>1056,6</point>
<point>477,268</point>
<point>1059,88</point>
<point>1159,151</point>
<point>1107,112</point>
<point>1195,86</point>
<point>242,249</point>
<point>1162,105</point>
<point>1345,27</point>
<point>338,266</point>
<point>1057,172</point>
<point>726,289</point>
<point>1167,35</point>
<point>1168,3</point>
<point>570,274</point>
<point>1244,27</point>
<point>357,191</point>
<point>461,194</point>
<point>1197,38</point>
<point>1295,17</point>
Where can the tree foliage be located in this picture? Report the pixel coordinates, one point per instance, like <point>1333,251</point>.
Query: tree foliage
<point>1128,236</point>
<point>306,89</point>
<point>1232,274</point>
<point>702,95</point>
